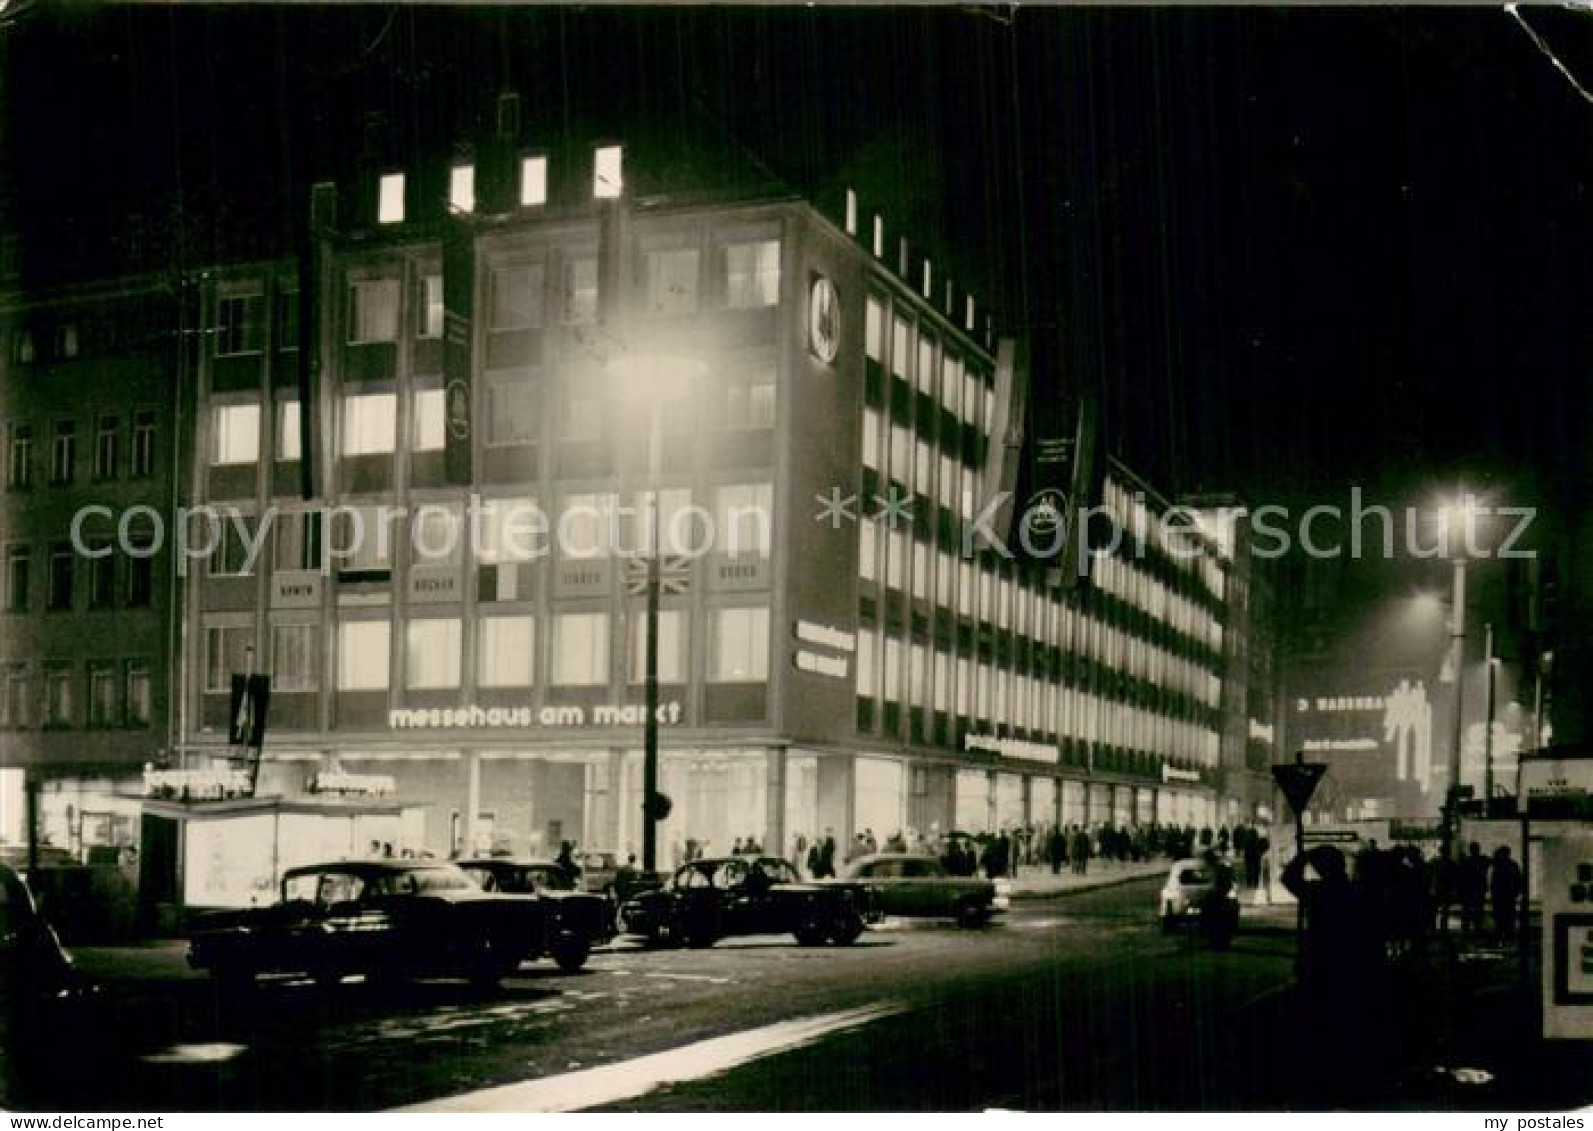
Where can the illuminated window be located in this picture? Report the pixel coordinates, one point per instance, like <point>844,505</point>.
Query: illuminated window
<point>874,328</point>
<point>586,527</point>
<point>373,310</point>
<point>879,235</point>
<point>580,649</point>
<point>895,666</point>
<point>370,423</point>
<point>533,180</point>
<point>428,424</point>
<point>867,676</point>
<point>516,297</point>
<point>431,307</point>
<point>752,274</point>
<point>505,651</point>
<point>901,336</point>
<point>390,199</point>
<point>236,437</point>
<point>871,426</point>
<point>672,281</point>
<point>851,212</point>
<point>671,647</point>
<point>738,645</point>
<point>295,657</point>
<point>288,438</point>
<point>867,566</point>
<point>462,188</point>
<point>431,654</point>
<point>608,180</point>
<point>362,651</point>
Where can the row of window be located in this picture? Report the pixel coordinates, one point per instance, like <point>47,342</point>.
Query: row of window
<point>512,417</point>
<point>433,650</point>
<point>120,447</point>
<point>981,594</point>
<point>495,531</point>
<point>118,694</point>
<point>994,696</point>
<point>913,355</point>
<point>1129,511</point>
<point>112,579</point>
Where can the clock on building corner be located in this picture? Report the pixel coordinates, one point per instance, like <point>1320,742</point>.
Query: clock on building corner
<point>824,319</point>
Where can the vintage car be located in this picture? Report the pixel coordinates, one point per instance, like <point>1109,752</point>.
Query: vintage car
<point>386,919</point>
<point>1190,883</point>
<point>914,885</point>
<point>594,914</point>
<point>707,900</point>
<point>34,967</point>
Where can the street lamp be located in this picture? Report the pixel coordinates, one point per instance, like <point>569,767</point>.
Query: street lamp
<point>1459,514</point>
<point>652,379</point>
<point>650,376</point>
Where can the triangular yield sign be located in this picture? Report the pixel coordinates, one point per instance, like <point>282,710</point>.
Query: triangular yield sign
<point>1298,782</point>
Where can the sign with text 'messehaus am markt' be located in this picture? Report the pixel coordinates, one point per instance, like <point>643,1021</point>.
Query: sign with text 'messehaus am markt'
<point>566,717</point>
<point>809,633</point>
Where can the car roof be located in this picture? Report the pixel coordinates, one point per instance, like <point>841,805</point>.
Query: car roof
<point>873,856</point>
<point>715,861</point>
<point>369,867</point>
<point>507,861</point>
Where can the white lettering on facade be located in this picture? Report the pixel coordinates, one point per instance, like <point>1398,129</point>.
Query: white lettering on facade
<point>823,634</point>
<point>561,716</point>
<point>1012,747</point>
<point>820,664</point>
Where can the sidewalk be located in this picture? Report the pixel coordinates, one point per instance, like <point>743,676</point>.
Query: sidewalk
<point>1035,881</point>
<point>1458,1030</point>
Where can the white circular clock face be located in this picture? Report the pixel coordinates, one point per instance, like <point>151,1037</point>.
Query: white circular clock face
<point>824,319</point>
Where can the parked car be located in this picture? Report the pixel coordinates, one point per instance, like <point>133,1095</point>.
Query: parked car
<point>34,967</point>
<point>1189,884</point>
<point>592,914</point>
<point>386,919</point>
<point>707,900</point>
<point>915,885</point>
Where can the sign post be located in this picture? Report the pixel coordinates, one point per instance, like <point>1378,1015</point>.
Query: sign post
<point>1298,781</point>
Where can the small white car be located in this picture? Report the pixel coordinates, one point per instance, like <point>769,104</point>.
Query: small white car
<point>1188,884</point>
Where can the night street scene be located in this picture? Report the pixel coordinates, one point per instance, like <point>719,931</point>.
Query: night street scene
<point>796,559</point>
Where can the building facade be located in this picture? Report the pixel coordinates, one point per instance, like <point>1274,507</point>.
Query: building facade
<point>90,421</point>
<point>832,657</point>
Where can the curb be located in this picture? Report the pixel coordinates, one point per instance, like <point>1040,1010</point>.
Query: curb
<point>1059,893</point>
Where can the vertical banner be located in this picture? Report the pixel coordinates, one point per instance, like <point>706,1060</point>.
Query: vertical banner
<point>459,296</point>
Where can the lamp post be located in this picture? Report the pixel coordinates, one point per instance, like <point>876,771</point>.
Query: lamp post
<point>1487,739</point>
<point>1457,645</point>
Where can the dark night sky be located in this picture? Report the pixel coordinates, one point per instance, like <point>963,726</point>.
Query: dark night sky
<point>1299,248</point>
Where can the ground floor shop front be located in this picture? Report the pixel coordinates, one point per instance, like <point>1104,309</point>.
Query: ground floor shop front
<point>529,801</point>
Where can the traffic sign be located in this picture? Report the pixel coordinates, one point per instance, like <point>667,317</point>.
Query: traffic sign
<point>674,575</point>
<point>1298,781</point>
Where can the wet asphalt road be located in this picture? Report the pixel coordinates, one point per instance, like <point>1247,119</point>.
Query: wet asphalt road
<point>1072,1003</point>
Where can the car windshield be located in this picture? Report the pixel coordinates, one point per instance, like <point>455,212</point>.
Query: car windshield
<point>1198,874</point>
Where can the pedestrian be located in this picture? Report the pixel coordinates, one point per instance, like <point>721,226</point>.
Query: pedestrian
<point>1056,850</point>
<point>1505,886</point>
<point>566,862</point>
<point>1080,851</point>
<point>1341,973</point>
<point>1472,883</point>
